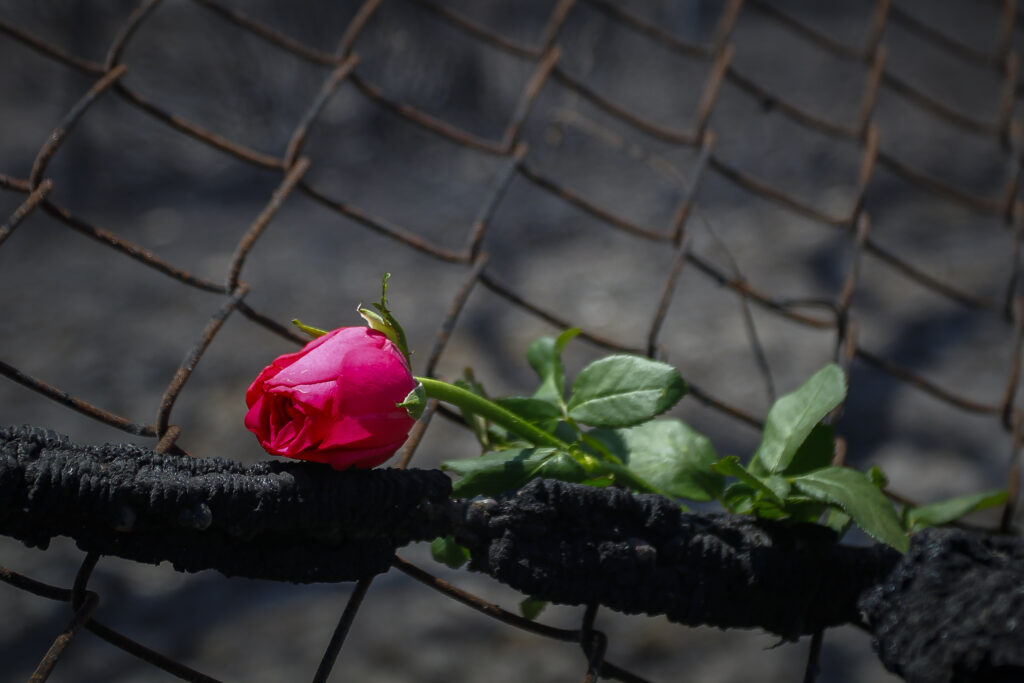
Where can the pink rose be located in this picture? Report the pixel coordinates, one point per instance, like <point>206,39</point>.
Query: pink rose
<point>334,401</point>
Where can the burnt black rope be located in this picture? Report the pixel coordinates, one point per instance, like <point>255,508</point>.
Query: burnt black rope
<point>953,610</point>
<point>639,553</point>
<point>285,520</point>
<point>950,610</point>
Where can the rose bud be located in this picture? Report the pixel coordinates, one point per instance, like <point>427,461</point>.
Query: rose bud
<point>335,401</point>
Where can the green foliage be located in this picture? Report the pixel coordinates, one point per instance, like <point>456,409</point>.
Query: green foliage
<point>531,608</point>
<point>670,455</point>
<point>536,411</point>
<point>447,551</point>
<point>611,394</point>
<point>790,475</point>
<point>944,512</point>
<point>854,493</point>
<point>545,357</point>
<point>878,477</point>
<point>793,417</point>
<point>814,453</point>
<point>604,433</point>
<point>383,321</point>
<point>486,434</point>
<point>493,473</point>
<point>754,487</point>
<point>624,390</point>
<point>837,520</point>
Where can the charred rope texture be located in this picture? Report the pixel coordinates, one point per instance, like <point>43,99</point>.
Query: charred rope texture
<point>640,553</point>
<point>953,610</point>
<point>566,543</point>
<point>284,520</point>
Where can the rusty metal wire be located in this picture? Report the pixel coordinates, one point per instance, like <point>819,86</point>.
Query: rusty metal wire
<point>544,55</point>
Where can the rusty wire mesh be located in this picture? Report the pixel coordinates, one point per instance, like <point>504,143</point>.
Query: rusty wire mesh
<point>873,146</point>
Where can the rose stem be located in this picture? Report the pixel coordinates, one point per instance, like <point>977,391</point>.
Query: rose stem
<point>478,405</point>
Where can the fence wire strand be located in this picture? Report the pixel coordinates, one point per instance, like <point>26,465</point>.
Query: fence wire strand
<point>344,73</point>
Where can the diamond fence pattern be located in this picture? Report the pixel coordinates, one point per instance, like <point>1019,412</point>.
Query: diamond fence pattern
<point>668,121</point>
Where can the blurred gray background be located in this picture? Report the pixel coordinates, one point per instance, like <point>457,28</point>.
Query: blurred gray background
<point>101,326</point>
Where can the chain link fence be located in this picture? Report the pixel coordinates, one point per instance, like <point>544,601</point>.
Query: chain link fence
<point>746,190</point>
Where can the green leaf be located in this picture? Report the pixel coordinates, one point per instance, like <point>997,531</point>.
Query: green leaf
<point>815,453</point>
<point>545,357</point>
<point>493,473</point>
<point>779,485</point>
<point>739,498</point>
<point>531,608</point>
<point>561,466</point>
<point>837,520</point>
<point>730,466</point>
<point>945,511</point>
<point>543,414</point>
<point>448,552</point>
<point>858,497</point>
<point>592,442</point>
<point>805,510</point>
<point>793,416</point>
<point>626,478</point>
<point>669,454</point>
<point>766,508</point>
<point>877,477</point>
<point>624,390</point>
<point>566,432</point>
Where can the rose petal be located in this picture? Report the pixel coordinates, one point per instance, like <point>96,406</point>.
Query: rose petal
<point>344,432</point>
<point>324,358</point>
<point>347,457</point>
<point>267,377</point>
<point>255,418</point>
<point>363,458</point>
<point>312,399</point>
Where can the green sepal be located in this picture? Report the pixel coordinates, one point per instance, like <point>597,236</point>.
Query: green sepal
<point>415,402</point>
<point>376,322</point>
<point>384,322</point>
<point>313,332</point>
